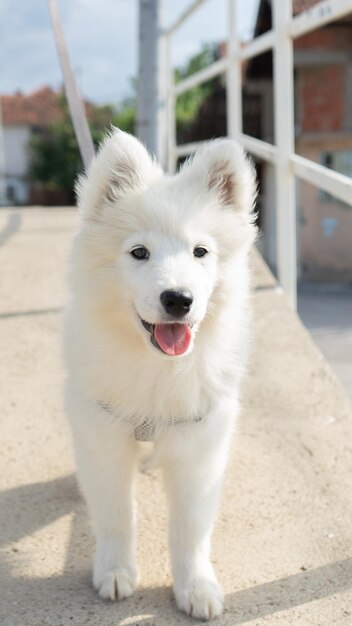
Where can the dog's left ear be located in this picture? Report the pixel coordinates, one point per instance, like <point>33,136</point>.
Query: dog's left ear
<point>224,169</point>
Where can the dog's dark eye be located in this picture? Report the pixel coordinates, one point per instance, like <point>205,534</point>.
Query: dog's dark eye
<point>199,251</point>
<point>141,253</point>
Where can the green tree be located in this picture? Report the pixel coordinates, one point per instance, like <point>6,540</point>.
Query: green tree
<point>54,154</point>
<point>188,103</point>
<point>125,116</point>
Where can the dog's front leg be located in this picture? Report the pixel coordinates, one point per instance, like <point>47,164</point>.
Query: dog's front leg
<point>193,478</point>
<point>106,463</point>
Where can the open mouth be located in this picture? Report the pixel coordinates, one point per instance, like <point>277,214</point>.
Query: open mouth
<point>172,338</point>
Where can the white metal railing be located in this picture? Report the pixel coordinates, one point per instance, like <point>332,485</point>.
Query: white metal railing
<point>288,165</point>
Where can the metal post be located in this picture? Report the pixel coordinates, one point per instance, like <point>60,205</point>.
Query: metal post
<point>284,139</point>
<point>151,109</point>
<point>163,90</point>
<point>233,76</point>
<point>171,112</point>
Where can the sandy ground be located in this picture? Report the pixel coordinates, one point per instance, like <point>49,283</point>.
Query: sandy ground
<point>282,543</point>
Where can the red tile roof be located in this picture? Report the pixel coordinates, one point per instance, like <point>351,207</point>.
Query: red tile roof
<point>39,108</point>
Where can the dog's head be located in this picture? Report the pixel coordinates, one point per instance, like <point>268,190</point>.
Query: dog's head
<point>154,248</point>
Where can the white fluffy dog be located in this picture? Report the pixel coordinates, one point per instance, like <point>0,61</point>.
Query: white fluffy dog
<point>156,342</point>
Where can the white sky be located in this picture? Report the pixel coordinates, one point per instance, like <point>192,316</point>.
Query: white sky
<point>102,36</point>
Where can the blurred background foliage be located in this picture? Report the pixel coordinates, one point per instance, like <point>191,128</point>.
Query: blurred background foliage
<point>55,158</point>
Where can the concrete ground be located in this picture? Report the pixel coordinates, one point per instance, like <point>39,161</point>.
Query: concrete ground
<point>326,310</point>
<point>283,541</point>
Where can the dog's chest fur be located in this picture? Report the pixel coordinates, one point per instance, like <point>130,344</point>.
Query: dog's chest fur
<point>156,388</point>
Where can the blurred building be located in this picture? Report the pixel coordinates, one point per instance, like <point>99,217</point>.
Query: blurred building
<point>323,124</point>
<point>23,115</point>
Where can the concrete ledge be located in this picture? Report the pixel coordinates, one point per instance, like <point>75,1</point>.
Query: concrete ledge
<point>282,544</point>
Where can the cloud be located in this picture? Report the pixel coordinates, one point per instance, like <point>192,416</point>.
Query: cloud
<point>28,57</point>
<point>102,38</point>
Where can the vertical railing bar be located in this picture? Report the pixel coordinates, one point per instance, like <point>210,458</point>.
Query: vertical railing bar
<point>233,75</point>
<point>163,88</point>
<point>284,139</point>
<point>171,109</point>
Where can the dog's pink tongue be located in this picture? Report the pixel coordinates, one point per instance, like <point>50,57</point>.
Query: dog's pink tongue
<point>173,339</point>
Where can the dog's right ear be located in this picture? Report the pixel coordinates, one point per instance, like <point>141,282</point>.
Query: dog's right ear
<point>121,165</point>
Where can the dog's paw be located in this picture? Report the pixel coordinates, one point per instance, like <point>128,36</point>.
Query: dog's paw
<point>115,584</point>
<point>201,598</point>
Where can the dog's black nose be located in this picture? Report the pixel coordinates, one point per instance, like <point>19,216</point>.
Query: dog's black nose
<point>176,303</point>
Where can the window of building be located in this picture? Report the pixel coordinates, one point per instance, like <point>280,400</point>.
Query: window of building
<point>340,161</point>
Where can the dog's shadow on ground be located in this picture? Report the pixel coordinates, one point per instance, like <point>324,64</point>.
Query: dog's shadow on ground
<point>69,598</point>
